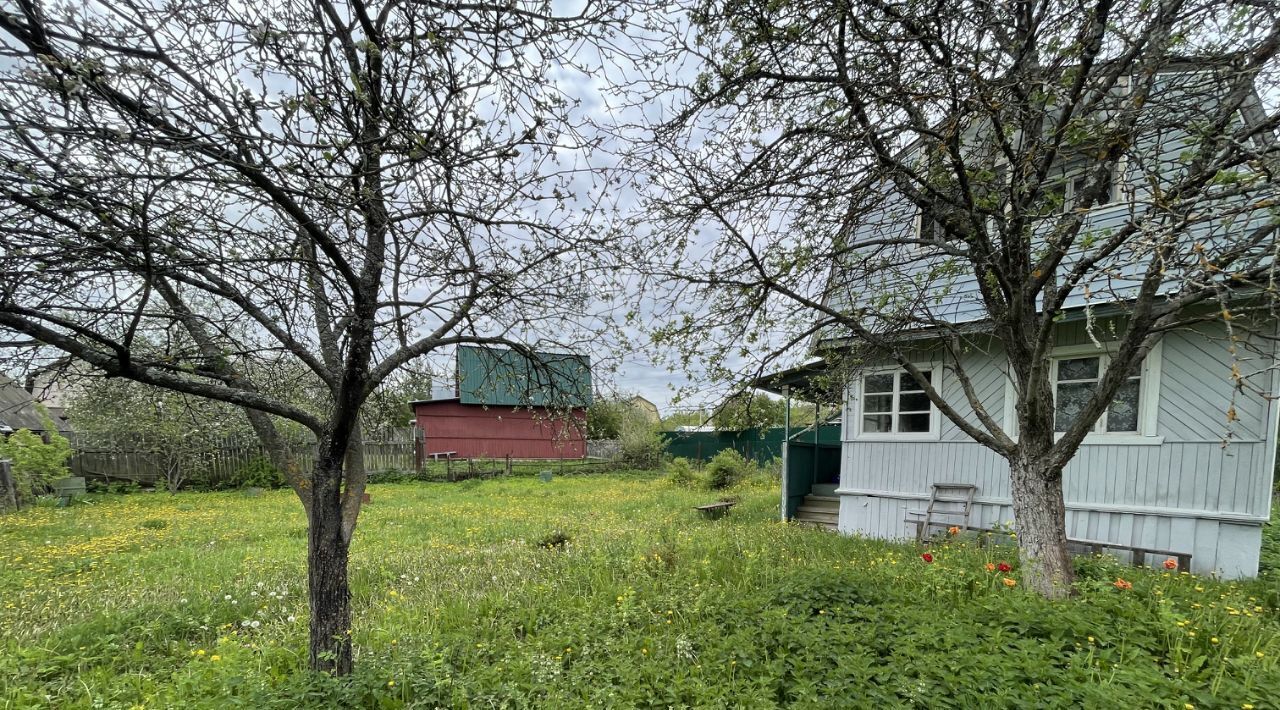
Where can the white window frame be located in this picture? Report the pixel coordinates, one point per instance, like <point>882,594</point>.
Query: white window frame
<point>935,416</point>
<point>1148,396</point>
<point>1116,197</point>
<point>917,232</point>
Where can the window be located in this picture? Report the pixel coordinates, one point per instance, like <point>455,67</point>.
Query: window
<point>894,403</point>
<point>1063,193</point>
<point>1077,185</point>
<point>931,231</point>
<point>1074,381</point>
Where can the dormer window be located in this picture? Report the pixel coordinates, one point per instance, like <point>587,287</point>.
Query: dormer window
<point>1077,185</point>
<point>927,230</point>
<point>1066,192</point>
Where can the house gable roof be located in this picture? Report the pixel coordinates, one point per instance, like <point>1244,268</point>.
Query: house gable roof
<point>18,410</point>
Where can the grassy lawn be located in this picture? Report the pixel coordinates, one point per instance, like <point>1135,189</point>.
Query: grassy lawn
<point>198,600</point>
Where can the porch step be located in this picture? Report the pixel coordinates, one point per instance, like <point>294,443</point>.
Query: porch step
<point>819,510</point>
<point>824,489</point>
<point>812,499</point>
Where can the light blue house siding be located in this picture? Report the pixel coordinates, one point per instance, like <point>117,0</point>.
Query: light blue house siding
<point>1197,483</point>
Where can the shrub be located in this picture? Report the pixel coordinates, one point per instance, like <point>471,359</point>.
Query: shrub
<point>1269,563</point>
<point>680,473</point>
<point>35,464</point>
<point>258,473</point>
<point>727,468</point>
<point>123,487</point>
<point>643,448</point>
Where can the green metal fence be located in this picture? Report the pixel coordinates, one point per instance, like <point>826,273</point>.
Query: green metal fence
<point>759,444</point>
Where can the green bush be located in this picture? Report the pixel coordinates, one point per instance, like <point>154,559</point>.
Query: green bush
<point>643,449</point>
<point>35,464</point>
<point>1269,563</point>
<point>258,473</point>
<point>727,468</point>
<point>681,474</point>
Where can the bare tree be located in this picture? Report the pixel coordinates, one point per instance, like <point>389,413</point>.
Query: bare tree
<point>342,186</point>
<point>886,178</point>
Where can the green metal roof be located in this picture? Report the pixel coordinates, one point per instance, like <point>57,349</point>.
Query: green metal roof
<point>502,377</point>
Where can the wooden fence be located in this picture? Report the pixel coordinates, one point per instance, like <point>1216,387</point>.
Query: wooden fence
<point>104,459</point>
<point>395,450</point>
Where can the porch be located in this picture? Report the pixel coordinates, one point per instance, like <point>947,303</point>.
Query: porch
<point>810,454</point>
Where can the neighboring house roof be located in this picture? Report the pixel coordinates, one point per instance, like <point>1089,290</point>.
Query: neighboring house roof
<point>18,410</point>
<point>642,402</point>
<point>649,408</point>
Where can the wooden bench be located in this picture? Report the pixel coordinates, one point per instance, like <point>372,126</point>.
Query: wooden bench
<point>1092,547</point>
<point>68,488</point>
<point>447,454</point>
<point>715,510</point>
<point>1097,547</point>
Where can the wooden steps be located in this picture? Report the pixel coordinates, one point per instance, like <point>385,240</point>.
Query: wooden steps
<point>819,510</point>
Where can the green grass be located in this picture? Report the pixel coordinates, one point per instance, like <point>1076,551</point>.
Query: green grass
<point>151,600</point>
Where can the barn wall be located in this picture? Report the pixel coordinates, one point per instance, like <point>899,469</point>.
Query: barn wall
<point>1181,489</point>
<point>475,431</point>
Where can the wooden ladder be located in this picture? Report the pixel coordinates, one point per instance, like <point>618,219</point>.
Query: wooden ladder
<point>948,494</point>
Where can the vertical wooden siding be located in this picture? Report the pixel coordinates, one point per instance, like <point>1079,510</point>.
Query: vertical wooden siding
<point>1190,491</point>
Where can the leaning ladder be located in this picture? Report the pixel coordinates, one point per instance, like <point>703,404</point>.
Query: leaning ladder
<point>942,511</point>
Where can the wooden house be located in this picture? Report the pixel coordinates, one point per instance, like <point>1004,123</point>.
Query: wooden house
<point>1181,461</point>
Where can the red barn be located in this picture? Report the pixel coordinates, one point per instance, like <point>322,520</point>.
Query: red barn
<point>508,404</point>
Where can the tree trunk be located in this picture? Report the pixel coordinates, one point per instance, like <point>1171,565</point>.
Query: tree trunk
<point>330,595</point>
<point>354,479</point>
<point>1041,521</point>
